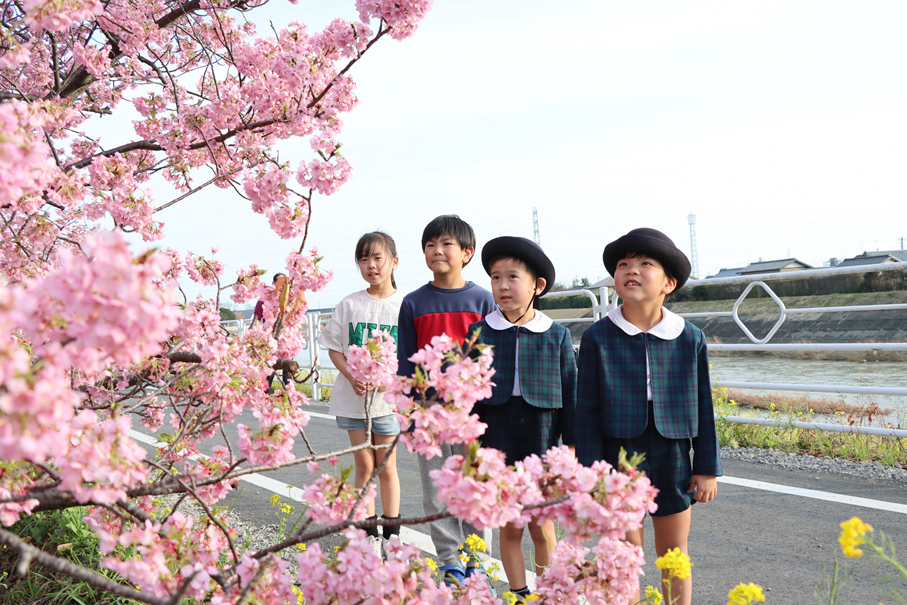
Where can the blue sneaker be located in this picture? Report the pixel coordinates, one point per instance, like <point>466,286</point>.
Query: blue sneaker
<point>477,568</point>
<point>453,575</point>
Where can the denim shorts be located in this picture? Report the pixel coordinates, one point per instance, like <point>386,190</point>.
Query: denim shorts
<point>382,425</point>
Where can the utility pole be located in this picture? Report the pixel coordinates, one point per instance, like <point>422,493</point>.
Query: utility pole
<point>535,226</point>
<point>694,255</point>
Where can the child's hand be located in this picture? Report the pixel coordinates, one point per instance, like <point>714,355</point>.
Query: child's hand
<point>703,487</point>
<point>359,387</point>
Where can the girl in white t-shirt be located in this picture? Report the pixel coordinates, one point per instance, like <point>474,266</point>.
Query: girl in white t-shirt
<point>352,323</point>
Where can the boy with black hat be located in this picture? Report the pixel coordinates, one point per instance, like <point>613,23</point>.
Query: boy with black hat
<point>643,386</point>
<point>535,376</point>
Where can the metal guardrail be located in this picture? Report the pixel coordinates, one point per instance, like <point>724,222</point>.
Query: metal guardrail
<point>761,344</point>
<point>314,320</point>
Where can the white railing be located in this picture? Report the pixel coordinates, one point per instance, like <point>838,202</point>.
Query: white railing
<point>316,358</point>
<point>761,344</point>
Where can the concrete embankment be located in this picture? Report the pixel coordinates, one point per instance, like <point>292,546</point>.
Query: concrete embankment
<point>889,325</point>
<point>849,326</point>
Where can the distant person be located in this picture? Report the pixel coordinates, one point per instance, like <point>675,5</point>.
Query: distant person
<point>535,382</point>
<point>352,323</point>
<point>258,315</point>
<point>643,386</point>
<point>446,305</point>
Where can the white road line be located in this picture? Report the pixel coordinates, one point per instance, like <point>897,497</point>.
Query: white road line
<point>278,487</point>
<point>817,495</point>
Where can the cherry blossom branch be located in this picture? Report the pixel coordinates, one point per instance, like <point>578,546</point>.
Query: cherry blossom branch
<point>197,189</point>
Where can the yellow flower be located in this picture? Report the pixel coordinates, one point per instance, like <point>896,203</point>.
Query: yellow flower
<point>677,563</point>
<point>652,596</point>
<point>475,543</point>
<point>301,546</point>
<point>745,594</point>
<point>852,533</point>
<point>275,500</point>
<point>509,598</point>
<point>431,564</point>
<point>300,599</point>
<point>464,558</point>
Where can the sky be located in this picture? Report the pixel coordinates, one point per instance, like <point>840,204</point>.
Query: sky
<point>782,126</point>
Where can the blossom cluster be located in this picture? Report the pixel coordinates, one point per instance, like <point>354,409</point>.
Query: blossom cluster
<point>457,380</point>
<point>25,164</point>
<point>375,361</point>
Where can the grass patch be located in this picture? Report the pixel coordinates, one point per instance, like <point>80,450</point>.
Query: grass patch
<point>63,534</point>
<point>795,405</point>
<point>891,451</point>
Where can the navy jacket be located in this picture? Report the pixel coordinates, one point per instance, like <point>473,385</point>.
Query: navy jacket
<point>611,391</point>
<point>547,367</point>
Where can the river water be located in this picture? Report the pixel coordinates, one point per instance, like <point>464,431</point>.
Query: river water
<point>808,371</point>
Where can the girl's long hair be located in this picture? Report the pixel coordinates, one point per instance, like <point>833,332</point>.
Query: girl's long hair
<point>370,241</point>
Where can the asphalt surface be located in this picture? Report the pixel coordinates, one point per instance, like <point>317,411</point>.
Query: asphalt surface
<point>776,540</point>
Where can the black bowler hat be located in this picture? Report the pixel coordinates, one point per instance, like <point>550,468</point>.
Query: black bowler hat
<point>524,249</point>
<point>650,242</point>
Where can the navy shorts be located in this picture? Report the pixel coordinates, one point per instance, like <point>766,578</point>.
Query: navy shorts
<point>519,429</point>
<point>667,465</point>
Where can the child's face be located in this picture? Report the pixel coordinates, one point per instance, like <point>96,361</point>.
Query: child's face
<point>642,279</point>
<point>444,255</point>
<point>512,285</point>
<point>376,268</point>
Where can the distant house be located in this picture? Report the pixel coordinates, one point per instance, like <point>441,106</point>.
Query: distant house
<point>875,259</point>
<point>243,313</point>
<point>608,282</point>
<point>900,255</point>
<point>726,273</point>
<point>783,265</point>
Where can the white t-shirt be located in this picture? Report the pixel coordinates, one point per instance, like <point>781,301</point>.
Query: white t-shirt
<point>353,321</point>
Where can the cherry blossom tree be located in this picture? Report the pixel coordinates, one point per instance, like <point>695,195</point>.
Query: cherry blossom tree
<point>95,336</point>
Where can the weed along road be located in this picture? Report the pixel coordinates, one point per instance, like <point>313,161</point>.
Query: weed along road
<point>768,525</point>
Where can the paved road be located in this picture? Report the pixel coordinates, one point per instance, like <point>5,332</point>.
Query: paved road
<point>777,540</point>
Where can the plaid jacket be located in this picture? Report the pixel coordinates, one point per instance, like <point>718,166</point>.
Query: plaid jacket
<point>611,391</point>
<point>547,367</point>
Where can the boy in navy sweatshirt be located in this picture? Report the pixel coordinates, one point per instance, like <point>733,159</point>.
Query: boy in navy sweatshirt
<point>446,305</point>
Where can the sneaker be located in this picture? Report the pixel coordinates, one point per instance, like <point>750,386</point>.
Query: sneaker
<point>454,575</point>
<point>385,542</point>
<point>478,569</point>
<point>375,543</point>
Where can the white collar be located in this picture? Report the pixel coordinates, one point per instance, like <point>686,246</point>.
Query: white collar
<point>670,327</point>
<point>540,323</point>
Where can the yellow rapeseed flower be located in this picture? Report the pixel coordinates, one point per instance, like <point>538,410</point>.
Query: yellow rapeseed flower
<point>852,532</point>
<point>275,500</point>
<point>475,543</point>
<point>431,564</point>
<point>652,596</point>
<point>509,598</point>
<point>677,563</point>
<point>745,594</point>
<point>301,546</point>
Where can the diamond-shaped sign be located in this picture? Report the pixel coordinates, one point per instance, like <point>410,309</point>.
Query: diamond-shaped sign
<point>740,321</point>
